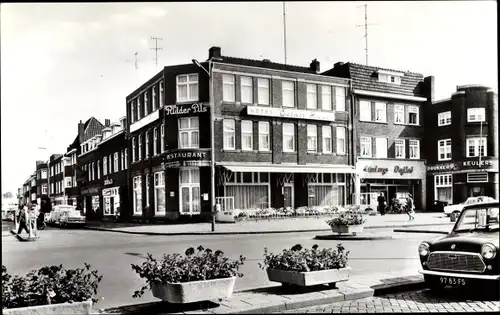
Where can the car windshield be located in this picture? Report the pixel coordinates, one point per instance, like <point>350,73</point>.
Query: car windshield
<point>478,219</point>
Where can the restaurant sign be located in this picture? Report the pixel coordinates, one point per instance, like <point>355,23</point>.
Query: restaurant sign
<point>186,109</point>
<point>188,155</point>
<point>290,113</point>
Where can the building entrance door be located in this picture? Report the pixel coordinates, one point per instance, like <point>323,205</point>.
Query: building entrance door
<point>288,195</point>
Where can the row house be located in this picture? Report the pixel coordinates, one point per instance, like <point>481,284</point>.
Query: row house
<point>462,147</point>
<point>388,124</point>
<point>42,187</point>
<point>280,138</point>
<point>103,177</point>
<point>55,180</point>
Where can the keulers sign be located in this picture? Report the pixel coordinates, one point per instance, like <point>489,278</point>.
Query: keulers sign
<point>290,113</point>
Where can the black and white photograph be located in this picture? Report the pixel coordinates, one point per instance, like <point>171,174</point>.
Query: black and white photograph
<point>249,157</point>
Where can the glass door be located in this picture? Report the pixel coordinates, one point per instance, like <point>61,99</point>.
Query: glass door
<point>189,190</point>
<point>288,195</point>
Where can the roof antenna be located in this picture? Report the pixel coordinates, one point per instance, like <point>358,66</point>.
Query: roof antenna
<point>284,28</point>
<point>366,29</point>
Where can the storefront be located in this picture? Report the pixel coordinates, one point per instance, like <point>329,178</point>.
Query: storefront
<point>393,178</point>
<point>454,182</point>
<point>92,207</point>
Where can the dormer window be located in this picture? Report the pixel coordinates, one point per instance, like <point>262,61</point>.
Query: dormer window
<point>391,77</point>
<point>106,132</point>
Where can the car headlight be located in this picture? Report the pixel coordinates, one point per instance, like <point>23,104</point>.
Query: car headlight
<point>423,249</point>
<point>488,251</point>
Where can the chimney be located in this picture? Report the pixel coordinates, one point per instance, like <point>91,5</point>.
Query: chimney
<point>81,131</point>
<point>214,52</point>
<point>107,122</point>
<point>338,64</point>
<point>39,162</point>
<point>314,65</point>
<point>429,87</point>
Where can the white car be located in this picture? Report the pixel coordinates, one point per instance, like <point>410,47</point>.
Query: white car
<point>71,217</point>
<point>56,212</point>
<point>448,210</point>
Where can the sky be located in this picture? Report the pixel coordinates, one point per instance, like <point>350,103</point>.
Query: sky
<point>65,62</point>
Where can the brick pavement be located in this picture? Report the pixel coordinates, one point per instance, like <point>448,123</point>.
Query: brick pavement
<point>419,301</point>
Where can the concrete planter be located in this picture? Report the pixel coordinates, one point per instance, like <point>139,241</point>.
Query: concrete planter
<point>51,309</point>
<point>195,291</point>
<point>348,229</point>
<point>305,279</point>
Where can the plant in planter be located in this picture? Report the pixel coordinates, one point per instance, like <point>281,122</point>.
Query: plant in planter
<point>194,277</point>
<point>53,285</point>
<point>305,267</point>
<point>347,222</point>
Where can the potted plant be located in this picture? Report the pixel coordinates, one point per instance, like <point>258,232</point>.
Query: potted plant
<point>347,222</point>
<point>306,267</point>
<point>190,278</point>
<point>50,290</point>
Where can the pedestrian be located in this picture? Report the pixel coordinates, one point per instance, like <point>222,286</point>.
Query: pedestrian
<point>381,203</point>
<point>23,220</point>
<point>410,207</point>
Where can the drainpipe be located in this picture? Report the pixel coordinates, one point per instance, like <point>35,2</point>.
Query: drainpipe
<point>357,181</point>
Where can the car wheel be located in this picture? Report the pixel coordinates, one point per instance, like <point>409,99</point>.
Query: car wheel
<point>433,284</point>
<point>454,216</point>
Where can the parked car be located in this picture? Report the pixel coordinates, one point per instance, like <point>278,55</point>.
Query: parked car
<point>57,211</point>
<point>468,256</point>
<point>456,209</point>
<point>437,206</point>
<point>71,217</point>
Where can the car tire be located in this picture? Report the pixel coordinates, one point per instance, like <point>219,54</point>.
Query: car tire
<point>454,216</point>
<point>433,284</point>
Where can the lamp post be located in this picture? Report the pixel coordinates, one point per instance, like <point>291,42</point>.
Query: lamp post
<point>212,141</point>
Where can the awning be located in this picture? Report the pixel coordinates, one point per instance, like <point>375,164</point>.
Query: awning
<point>286,168</point>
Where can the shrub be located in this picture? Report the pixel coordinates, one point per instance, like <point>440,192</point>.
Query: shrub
<point>175,268</point>
<point>49,285</point>
<point>300,259</point>
<point>347,218</point>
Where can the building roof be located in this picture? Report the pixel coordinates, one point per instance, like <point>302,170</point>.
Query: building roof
<point>365,78</point>
<point>264,64</point>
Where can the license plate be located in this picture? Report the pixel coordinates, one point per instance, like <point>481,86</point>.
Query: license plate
<point>452,281</point>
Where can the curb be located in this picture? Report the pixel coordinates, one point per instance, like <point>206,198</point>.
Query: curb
<point>250,232</point>
<point>420,231</point>
<point>352,237</point>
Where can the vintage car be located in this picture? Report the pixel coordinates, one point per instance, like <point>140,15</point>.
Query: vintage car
<point>456,209</point>
<point>468,256</point>
<point>71,217</point>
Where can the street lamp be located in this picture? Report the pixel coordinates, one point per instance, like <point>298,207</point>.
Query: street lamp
<point>212,141</point>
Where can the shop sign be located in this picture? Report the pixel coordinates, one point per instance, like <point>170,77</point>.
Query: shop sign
<point>401,170</point>
<point>108,181</point>
<point>187,155</point>
<point>290,113</point>
<point>185,109</point>
<point>472,164</point>
<point>390,169</point>
<point>484,164</point>
<point>441,167</point>
<point>90,191</point>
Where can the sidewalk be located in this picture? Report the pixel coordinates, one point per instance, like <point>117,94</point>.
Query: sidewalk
<point>289,225</point>
<point>278,299</point>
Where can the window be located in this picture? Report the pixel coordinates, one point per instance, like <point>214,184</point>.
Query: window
<point>366,146</point>
<point>288,93</point>
<point>147,143</point>
<point>147,190</point>
<point>98,170</point>
<point>159,193</point>
<point>122,160</point>
<point>105,165</point>
<point>414,149</point>
<point>340,99</point>
<point>264,138</point>
<point>146,110</point>
<point>381,148</point>
<point>475,114</point>
<point>229,134</point>
<point>312,97</point>
<point>326,97</point>
<point>110,161</point>
<point>162,138</point>
<point>52,188</point>
<point>153,97</point>
<point>476,147</point>
<point>444,118</point>
<point>263,91</point>
<point>92,174</point>
<point>155,141</point>
<point>249,190</point>
<point>189,133</point>
<point>187,87</point>
<point>126,155</point>
<point>365,111</point>
<point>69,180</point>
<point>380,112</point>
<point>137,195</point>
<point>133,150</point>
<point>288,137</point>
<point>312,138</point>
<point>111,201</point>
<point>246,90</point>
<point>443,186</point>
<point>228,88</point>
<point>133,115</point>
<point>139,139</point>
<point>189,191</point>
<point>341,140</point>
<point>399,114</point>
<point>326,132</point>
<point>399,145</point>
<point>327,189</point>
<point>44,189</point>
<point>246,135</point>
<point>161,94</point>
<point>413,115</point>
<point>444,150</point>
<point>115,167</point>
<point>139,108</point>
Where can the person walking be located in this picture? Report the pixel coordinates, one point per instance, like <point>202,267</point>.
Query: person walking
<point>410,207</point>
<point>381,203</point>
<point>22,220</point>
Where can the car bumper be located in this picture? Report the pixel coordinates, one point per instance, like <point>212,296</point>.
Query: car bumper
<point>459,275</point>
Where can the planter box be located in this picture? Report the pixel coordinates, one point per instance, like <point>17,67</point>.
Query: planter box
<point>51,309</point>
<point>341,229</point>
<point>305,279</point>
<point>195,291</point>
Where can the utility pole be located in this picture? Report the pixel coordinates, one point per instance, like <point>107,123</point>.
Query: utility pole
<point>284,28</point>
<point>366,29</point>
<point>156,48</point>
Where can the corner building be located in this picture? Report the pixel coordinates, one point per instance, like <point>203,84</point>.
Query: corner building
<point>462,145</point>
<point>280,138</point>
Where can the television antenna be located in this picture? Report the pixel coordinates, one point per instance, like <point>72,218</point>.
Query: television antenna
<point>366,29</point>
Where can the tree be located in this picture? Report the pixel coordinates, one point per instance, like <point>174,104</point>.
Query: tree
<point>7,195</point>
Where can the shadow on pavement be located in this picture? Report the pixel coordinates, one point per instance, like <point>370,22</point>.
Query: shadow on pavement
<point>289,289</point>
<point>160,308</point>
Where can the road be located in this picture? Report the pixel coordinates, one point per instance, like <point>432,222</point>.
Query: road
<point>113,253</point>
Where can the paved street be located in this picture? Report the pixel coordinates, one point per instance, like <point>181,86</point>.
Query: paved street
<point>112,254</point>
<point>419,301</point>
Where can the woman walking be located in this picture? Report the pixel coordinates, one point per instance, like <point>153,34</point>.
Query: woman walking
<point>410,207</point>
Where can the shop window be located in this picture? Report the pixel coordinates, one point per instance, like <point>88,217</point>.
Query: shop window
<point>111,201</point>
<point>95,203</point>
<point>263,91</point>
<point>326,132</point>
<point>288,93</point>
<point>249,190</point>
<point>137,201</point>
<point>340,99</point>
<point>187,87</point>
<point>229,134</point>
<point>475,114</point>
<point>189,133</point>
<point>246,135</point>
<point>159,192</point>
<point>443,186</point>
<point>399,145</point>
<point>189,191</point>
<point>366,146</point>
<point>325,189</point>
<point>147,191</point>
<point>312,138</point>
<point>246,90</point>
<point>476,147</point>
<point>228,88</point>
<point>312,97</point>
<point>341,141</point>
<point>288,138</point>
<point>444,150</point>
<point>444,118</point>
<point>264,137</point>
<point>326,97</point>
<point>414,149</point>
<point>399,114</point>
